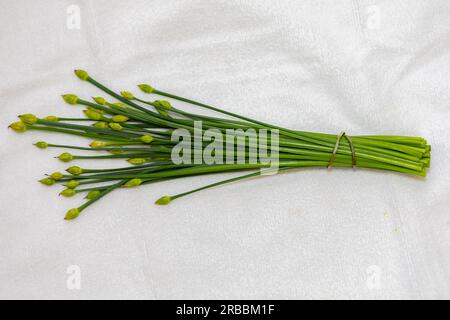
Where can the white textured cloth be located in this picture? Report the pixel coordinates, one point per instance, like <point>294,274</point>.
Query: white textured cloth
<point>366,67</point>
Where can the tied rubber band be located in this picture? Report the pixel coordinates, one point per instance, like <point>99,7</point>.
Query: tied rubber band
<point>336,147</point>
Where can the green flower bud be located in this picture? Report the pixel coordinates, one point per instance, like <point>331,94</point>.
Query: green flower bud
<point>70,98</point>
<point>115,126</point>
<point>28,118</point>
<point>72,184</point>
<point>56,176</point>
<point>127,95</point>
<point>137,160</point>
<point>146,88</point>
<point>18,126</point>
<point>98,144</point>
<point>99,100</point>
<point>93,115</point>
<point>41,144</point>
<point>47,181</point>
<point>96,110</point>
<point>72,214</point>
<point>119,118</point>
<point>93,194</point>
<point>65,157</point>
<point>68,193</point>
<point>164,104</point>
<point>116,151</point>
<point>163,200</point>
<point>146,139</point>
<point>133,183</point>
<point>101,124</point>
<point>81,74</point>
<point>51,118</point>
<point>75,170</point>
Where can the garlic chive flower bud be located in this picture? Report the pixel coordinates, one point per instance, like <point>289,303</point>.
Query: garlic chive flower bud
<point>72,184</point>
<point>101,124</point>
<point>41,144</point>
<point>72,214</point>
<point>70,98</point>
<point>96,110</point>
<point>115,126</point>
<point>133,183</point>
<point>81,74</point>
<point>56,176</point>
<point>47,181</point>
<point>75,170</point>
<point>136,160</point>
<point>65,157</point>
<point>163,200</point>
<point>93,115</point>
<point>68,193</point>
<point>119,118</point>
<point>51,118</point>
<point>163,103</point>
<point>18,126</point>
<point>127,95</point>
<point>93,194</point>
<point>146,88</point>
<point>146,139</point>
<point>28,118</point>
<point>98,144</point>
<point>99,100</point>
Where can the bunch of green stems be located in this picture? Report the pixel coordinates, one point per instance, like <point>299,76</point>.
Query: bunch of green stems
<point>140,131</point>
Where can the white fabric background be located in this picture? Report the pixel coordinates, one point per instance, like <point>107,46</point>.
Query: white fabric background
<point>367,67</point>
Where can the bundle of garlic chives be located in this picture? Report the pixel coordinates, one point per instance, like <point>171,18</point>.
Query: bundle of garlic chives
<point>142,132</point>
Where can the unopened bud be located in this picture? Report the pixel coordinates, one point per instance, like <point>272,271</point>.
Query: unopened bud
<point>101,124</point>
<point>56,176</point>
<point>163,200</point>
<point>47,181</point>
<point>72,184</point>
<point>68,193</point>
<point>137,160</point>
<point>81,74</point>
<point>98,144</point>
<point>115,126</point>
<point>146,139</point>
<point>28,118</point>
<point>99,100</point>
<point>164,104</point>
<point>119,118</point>
<point>18,126</point>
<point>51,118</point>
<point>41,144</point>
<point>93,115</point>
<point>93,194</point>
<point>70,98</point>
<point>133,183</point>
<point>75,170</point>
<point>146,88</point>
<point>65,157</point>
<point>72,214</point>
<point>127,95</point>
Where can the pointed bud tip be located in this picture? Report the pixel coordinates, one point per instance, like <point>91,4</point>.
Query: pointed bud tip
<point>41,144</point>
<point>75,170</point>
<point>163,200</point>
<point>98,144</point>
<point>99,100</point>
<point>146,88</point>
<point>81,74</point>
<point>70,98</point>
<point>127,95</point>
<point>72,214</point>
<point>65,157</point>
<point>47,181</point>
<point>28,118</point>
<point>146,139</point>
<point>72,184</point>
<point>56,176</point>
<point>133,183</point>
<point>119,118</point>
<point>68,193</point>
<point>115,126</point>
<point>18,126</point>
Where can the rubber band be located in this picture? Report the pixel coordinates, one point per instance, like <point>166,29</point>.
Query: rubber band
<point>336,147</point>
